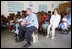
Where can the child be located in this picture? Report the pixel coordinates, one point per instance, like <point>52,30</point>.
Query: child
<point>64,25</point>
<point>64,22</point>
<point>11,25</point>
<point>10,19</point>
<point>20,21</point>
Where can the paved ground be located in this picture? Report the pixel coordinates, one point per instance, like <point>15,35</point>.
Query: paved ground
<point>60,41</point>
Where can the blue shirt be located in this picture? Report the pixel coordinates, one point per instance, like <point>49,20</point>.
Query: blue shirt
<point>69,18</point>
<point>32,18</point>
<point>62,26</point>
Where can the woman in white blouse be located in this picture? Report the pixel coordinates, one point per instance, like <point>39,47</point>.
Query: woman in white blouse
<point>54,22</point>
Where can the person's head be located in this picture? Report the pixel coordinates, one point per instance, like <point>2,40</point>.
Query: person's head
<point>49,13</point>
<point>2,16</point>
<point>39,14</point>
<point>10,14</point>
<point>13,15</point>
<point>55,11</point>
<point>42,13</point>
<point>45,13</point>
<point>23,12</point>
<point>65,12</point>
<point>18,13</point>
<point>69,11</point>
<point>28,11</point>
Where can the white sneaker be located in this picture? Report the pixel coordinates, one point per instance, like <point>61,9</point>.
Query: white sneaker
<point>12,30</point>
<point>47,36</point>
<point>52,37</point>
<point>17,31</point>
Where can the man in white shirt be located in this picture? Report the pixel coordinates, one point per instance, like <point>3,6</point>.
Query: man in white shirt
<point>54,22</point>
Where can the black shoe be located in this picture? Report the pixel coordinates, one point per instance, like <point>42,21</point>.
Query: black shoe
<point>15,35</point>
<point>26,45</point>
<point>19,40</point>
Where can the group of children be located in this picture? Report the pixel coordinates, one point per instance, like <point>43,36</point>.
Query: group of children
<point>17,20</point>
<point>43,17</point>
<point>65,23</point>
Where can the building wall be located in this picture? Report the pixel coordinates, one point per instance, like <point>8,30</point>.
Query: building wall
<point>4,6</point>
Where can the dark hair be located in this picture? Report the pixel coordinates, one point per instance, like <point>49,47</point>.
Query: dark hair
<point>18,11</point>
<point>45,13</point>
<point>49,11</point>
<point>23,11</point>
<point>53,12</point>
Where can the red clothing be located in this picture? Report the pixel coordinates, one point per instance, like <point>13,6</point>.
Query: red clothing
<point>42,19</point>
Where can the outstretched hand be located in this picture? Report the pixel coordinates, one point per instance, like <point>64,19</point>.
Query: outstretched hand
<point>23,24</point>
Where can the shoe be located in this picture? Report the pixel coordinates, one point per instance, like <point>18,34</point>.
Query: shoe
<point>52,37</point>
<point>26,45</point>
<point>47,36</point>
<point>19,40</point>
<point>12,30</point>
<point>15,35</point>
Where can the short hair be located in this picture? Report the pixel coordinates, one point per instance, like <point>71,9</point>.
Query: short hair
<point>23,11</point>
<point>29,9</point>
<point>18,11</point>
<point>49,11</point>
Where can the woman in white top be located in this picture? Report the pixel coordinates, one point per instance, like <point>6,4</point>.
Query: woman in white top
<point>54,22</point>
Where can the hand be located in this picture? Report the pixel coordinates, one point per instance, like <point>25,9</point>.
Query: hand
<point>22,23</point>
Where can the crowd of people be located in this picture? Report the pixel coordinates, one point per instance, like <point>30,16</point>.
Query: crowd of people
<point>26,21</point>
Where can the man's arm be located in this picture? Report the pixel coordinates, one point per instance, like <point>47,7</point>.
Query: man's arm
<point>28,23</point>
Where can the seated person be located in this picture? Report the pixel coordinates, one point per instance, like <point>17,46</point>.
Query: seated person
<point>4,21</point>
<point>49,15</point>
<point>54,22</point>
<point>64,25</point>
<point>68,16</point>
<point>45,24</point>
<point>30,26</point>
<point>46,18</point>
<point>42,19</point>
<point>19,22</point>
<point>18,14</point>
<point>39,17</point>
<point>10,21</point>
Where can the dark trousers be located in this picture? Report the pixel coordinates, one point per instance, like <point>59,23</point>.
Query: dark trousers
<point>28,31</point>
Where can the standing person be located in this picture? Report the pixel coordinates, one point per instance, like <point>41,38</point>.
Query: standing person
<point>54,22</point>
